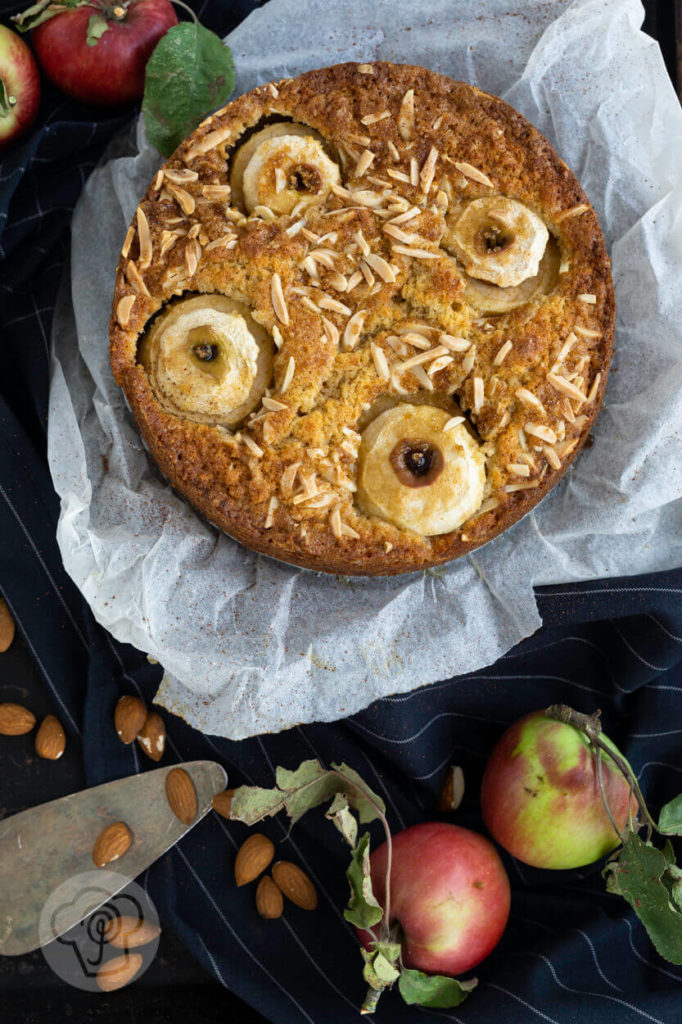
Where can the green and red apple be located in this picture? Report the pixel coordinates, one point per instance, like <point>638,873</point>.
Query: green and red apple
<point>19,87</point>
<point>449,893</point>
<point>541,799</point>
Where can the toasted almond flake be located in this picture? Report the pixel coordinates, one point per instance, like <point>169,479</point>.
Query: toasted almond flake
<point>594,389</point>
<point>422,376</point>
<point>373,118</point>
<point>528,398</point>
<point>288,480</point>
<point>135,279</point>
<point>294,228</point>
<point>349,449</point>
<point>348,531</point>
<point>454,344</point>
<point>252,446</point>
<point>438,364</point>
<point>502,353</point>
<point>417,340</point>
<point>327,302</point>
<point>510,488</point>
<point>408,215</point>
<point>210,141</point>
<point>423,357</point>
<point>398,175</point>
<point>468,361</point>
<point>194,230</point>
<point>588,298</point>
<point>337,281</point>
<point>273,405</point>
<point>560,383</point>
<point>308,304</point>
<point>382,268</point>
<point>366,272</point>
<point>335,522</point>
<point>568,411</point>
<point>380,361</point>
<point>354,280</point>
<point>565,265</point>
<point>538,430</point>
<point>273,505</point>
<point>391,146</point>
<point>407,237</point>
<point>365,161</point>
<point>518,469</point>
<point>359,140</point>
<point>453,422</point>
<point>523,441</point>
<point>366,69</point>
<point>288,375</point>
<point>325,257</point>
<point>362,242</point>
<point>184,200</point>
<point>414,171</point>
<point>552,457</point>
<point>225,240</point>
<point>158,180</point>
<point>124,308</point>
<point>280,180</point>
<point>428,170</point>
<point>437,123</point>
<point>192,256</point>
<point>128,241</point>
<point>566,347</point>
<point>573,212</point>
<point>469,171</point>
<point>416,254</point>
<point>273,90</point>
<point>264,212</point>
<point>479,394</point>
<point>442,202</point>
<point>586,332</point>
<point>388,547</point>
<point>488,506</point>
<point>277,297</point>
<point>395,383</point>
<point>566,447</point>
<point>405,120</point>
<point>366,197</point>
<point>277,337</point>
<point>353,329</point>
<point>308,264</point>
<point>168,240</point>
<point>181,175</point>
<point>331,331</point>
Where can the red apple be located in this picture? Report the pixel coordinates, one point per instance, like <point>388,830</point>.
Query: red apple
<point>20,88</point>
<point>111,72</point>
<point>541,799</point>
<point>449,892</point>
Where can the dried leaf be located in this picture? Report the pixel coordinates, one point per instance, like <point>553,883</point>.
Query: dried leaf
<point>363,909</point>
<point>340,814</point>
<point>378,972</point>
<point>433,990</point>
<point>363,799</point>
<point>670,818</point>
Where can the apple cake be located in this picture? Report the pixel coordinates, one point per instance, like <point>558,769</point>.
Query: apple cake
<point>363,318</point>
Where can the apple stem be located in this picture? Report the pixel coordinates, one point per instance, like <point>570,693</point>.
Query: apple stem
<point>371,1001</point>
<point>179,3</point>
<point>590,726</point>
<point>603,794</point>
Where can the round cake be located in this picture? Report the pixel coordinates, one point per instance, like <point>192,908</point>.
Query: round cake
<point>364,318</point>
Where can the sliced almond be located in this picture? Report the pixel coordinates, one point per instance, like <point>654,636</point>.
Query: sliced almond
<point>15,720</point>
<point>452,791</point>
<point>152,736</point>
<point>129,717</point>
<point>50,739</point>
<point>181,795</point>
<point>115,840</point>
<point>124,308</point>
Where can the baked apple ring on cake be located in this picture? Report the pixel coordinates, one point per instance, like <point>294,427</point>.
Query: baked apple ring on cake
<point>364,318</point>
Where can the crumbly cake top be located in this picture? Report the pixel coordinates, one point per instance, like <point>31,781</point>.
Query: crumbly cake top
<point>364,318</point>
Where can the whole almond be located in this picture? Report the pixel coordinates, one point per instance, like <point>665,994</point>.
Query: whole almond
<point>50,739</point>
<point>269,899</point>
<point>295,884</point>
<point>222,802</point>
<point>129,717</point>
<point>6,626</point>
<point>152,736</point>
<point>452,791</point>
<point>15,720</point>
<point>130,932</point>
<point>253,858</point>
<point>119,971</point>
<point>181,795</point>
<point>111,843</point>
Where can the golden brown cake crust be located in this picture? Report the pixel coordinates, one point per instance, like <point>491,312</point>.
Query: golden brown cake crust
<point>520,399</point>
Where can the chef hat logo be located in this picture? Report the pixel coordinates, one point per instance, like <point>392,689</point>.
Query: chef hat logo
<point>81,917</point>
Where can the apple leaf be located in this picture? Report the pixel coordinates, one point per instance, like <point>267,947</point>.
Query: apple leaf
<point>97,26</point>
<point>366,802</point>
<point>189,74</point>
<point>670,818</point>
<point>363,909</point>
<point>378,972</point>
<point>648,879</point>
<point>341,816</point>
<point>251,804</point>
<point>42,11</point>
<point>433,990</point>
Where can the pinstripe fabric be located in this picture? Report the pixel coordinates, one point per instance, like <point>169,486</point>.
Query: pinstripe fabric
<point>571,952</point>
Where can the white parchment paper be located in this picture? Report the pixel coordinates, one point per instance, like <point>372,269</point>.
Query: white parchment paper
<point>250,645</point>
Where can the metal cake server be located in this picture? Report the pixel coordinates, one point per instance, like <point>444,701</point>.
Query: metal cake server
<point>48,846</point>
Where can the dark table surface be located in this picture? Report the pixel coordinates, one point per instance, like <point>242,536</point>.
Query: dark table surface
<point>176,985</point>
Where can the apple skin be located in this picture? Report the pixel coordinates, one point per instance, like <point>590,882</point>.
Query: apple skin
<point>450,893</point>
<point>541,800</point>
<point>111,73</point>
<point>19,72</point>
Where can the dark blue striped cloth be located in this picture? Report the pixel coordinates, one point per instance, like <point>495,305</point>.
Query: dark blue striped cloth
<point>570,952</point>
